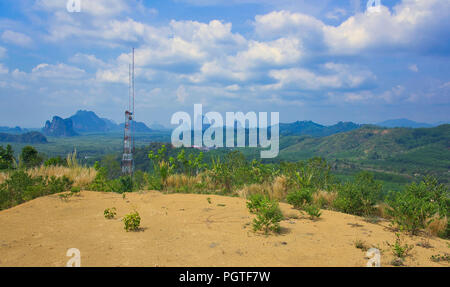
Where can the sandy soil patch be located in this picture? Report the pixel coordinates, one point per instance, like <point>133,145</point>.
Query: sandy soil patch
<point>187,230</point>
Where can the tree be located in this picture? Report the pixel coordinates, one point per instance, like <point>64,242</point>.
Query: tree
<point>30,157</point>
<point>6,157</point>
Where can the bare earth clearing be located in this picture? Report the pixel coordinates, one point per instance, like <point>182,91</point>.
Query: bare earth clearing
<point>187,230</point>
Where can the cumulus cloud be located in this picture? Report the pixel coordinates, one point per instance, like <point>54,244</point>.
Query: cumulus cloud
<point>335,76</point>
<point>57,71</point>
<point>16,38</point>
<point>411,24</point>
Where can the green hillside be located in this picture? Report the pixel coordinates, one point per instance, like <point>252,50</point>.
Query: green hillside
<point>410,152</point>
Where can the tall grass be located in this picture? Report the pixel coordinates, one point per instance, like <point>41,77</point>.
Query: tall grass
<point>81,176</point>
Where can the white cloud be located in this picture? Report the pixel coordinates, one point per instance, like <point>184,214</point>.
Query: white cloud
<point>3,69</point>
<point>411,24</point>
<point>181,94</point>
<point>334,76</point>
<point>59,71</point>
<point>2,52</point>
<point>413,68</point>
<point>16,38</point>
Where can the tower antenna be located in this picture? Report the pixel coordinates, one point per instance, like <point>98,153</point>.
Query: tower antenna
<point>128,135</point>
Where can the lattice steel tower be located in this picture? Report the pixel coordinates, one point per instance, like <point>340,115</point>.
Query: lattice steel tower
<point>128,136</point>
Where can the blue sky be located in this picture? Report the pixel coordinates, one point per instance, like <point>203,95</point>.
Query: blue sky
<point>319,60</point>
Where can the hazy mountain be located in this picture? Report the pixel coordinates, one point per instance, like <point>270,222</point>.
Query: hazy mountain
<point>313,129</point>
<point>30,137</point>
<point>87,121</point>
<point>157,126</point>
<point>139,127</point>
<point>403,123</point>
<point>16,130</point>
<point>59,127</point>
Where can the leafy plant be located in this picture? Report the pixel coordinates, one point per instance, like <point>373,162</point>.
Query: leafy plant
<point>132,221</point>
<point>412,208</point>
<point>300,198</point>
<point>55,161</point>
<point>313,211</point>
<point>361,244</point>
<point>359,197</point>
<point>440,257</point>
<point>400,250</point>
<point>30,157</point>
<point>110,213</point>
<point>6,157</point>
<point>268,214</point>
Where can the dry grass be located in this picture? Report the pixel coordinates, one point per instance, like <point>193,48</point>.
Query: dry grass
<point>280,187</point>
<point>81,176</point>
<point>177,181</point>
<point>381,210</point>
<point>437,226</point>
<point>324,198</point>
<point>3,177</point>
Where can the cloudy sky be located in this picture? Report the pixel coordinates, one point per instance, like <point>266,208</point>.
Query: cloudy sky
<point>320,60</point>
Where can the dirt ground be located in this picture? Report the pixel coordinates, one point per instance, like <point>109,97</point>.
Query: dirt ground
<point>188,230</point>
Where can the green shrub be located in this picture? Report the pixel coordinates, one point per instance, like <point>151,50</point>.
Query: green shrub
<point>300,198</point>
<point>399,250</point>
<point>412,208</point>
<point>75,190</point>
<point>313,211</point>
<point>132,221</point>
<point>268,214</point>
<point>359,197</point>
<point>255,203</point>
<point>55,161</point>
<point>6,157</point>
<point>58,184</point>
<point>21,187</point>
<point>30,157</point>
<point>110,213</point>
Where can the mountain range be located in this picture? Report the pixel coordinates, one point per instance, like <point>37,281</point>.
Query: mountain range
<point>86,122</point>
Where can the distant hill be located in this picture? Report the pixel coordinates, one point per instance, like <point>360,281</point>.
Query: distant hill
<point>403,150</point>
<point>316,130</point>
<point>157,126</point>
<point>139,127</point>
<point>59,127</point>
<point>403,123</point>
<point>30,137</point>
<point>87,121</point>
<point>16,130</point>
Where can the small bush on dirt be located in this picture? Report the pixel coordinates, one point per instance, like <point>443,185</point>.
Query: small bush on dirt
<point>132,221</point>
<point>75,190</point>
<point>268,214</point>
<point>360,244</point>
<point>300,198</point>
<point>359,197</point>
<point>399,250</point>
<point>313,211</point>
<point>416,206</point>
<point>110,213</point>
<point>255,203</point>
<point>439,257</point>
